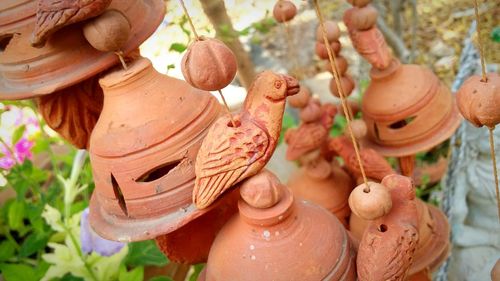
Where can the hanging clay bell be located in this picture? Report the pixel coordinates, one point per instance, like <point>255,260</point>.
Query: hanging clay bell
<point>407,110</point>
<point>332,32</point>
<point>67,58</point>
<point>359,3</point>
<point>364,18</point>
<point>347,84</point>
<point>322,52</point>
<point>301,99</point>
<point>209,64</point>
<point>479,101</point>
<point>341,65</point>
<point>327,185</point>
<point>142,152</point>
<point>387,248</point>
<point>284,11</point>
<point>274,234</point>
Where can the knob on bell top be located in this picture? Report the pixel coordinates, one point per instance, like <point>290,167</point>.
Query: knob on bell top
<point>261,191</point>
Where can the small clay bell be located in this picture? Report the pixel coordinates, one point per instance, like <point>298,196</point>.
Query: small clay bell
<point>332,32</point>
<point>284,11</point>
<point>364,18</point>
<point>108,32</point>
<point>359,3</point>
<point>209,64</point>
<point>347,84</point>
<point>371,203</point>
<point>479,101</point>
<point>301,99</point>
<point>322,52</point>
<point>341,65</point>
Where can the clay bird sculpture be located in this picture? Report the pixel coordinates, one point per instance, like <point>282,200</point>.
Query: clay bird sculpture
<point>376,167</point>
<point>52,15</point>
<point>231,154</point>
<point>389,242</point>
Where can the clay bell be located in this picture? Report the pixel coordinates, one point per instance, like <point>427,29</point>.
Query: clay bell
<point>14,14</point>
<point>67,57</point>
<point>407,110</point>
<point>326,185</point>
<point>275,237</point>
<point>142,152</point>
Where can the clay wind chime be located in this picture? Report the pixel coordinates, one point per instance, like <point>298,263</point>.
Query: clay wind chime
<point>479,99</point>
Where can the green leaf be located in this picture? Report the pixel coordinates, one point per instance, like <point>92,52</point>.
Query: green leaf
<point>136,274</point>
<point>145,253</point>
<point>18,272</point>
<point>177,47</point>
<point>16,214</point>
<point>33,243</point>
<point>197,268</point>
<point>495,34</point>
<point>161,278</point>
<point>7,250</point>
<point>18,134</point>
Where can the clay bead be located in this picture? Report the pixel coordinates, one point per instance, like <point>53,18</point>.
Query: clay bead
<point>358,128</point>
<point>209,64</point>
<point>301,99</point>
<point>341,65</point>
<point>364,18</point>
<point>370,205</point>
<point>332,32</point>
<point>284,11</point>
<point>108,32</point>
<point>359,3</point>
<point>347,84</point>
<point>320,49</point>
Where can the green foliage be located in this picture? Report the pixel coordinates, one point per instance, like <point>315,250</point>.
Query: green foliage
<point>177,47</point>
<point>287,123</point>
<point>338,126</point>
<point>145,253</point>
<point>196,271</point>
<point>495,34</point>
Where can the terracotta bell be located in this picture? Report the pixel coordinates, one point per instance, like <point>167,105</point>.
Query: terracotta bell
<point>275,237</point>
<point>14,14</point>
<point>66,58</point>
<point>407,110</point>
<point>142,152</point>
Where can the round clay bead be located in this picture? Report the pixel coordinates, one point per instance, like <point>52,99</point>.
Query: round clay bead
<point>284,11</point>
<point>347,84</point>
<point>209,65</point>
<point>301,99</point>
<point>332,32</point>
<point>370,205</point>
<point>107,32</point>
<point>364,18</point>
<point>359,3</point>
<point>479,101</point>
<point>310,113</point>
<point>341,65</point>
<point>261,191</point>
<point>321,51</point>
<point>358,127</point>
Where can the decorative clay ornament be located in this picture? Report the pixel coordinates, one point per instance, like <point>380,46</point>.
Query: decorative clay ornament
<point>108,32</point>
<point>370,201</point>
<point>269,241</point>
<point>364,18</point>
<point>332,32</point>
<point>284,11</point>
<point>301,99</point>
<point>230,154</point>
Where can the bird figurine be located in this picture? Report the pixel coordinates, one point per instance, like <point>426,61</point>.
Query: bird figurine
<point>376,167</point>
<point>389,242</point>
<point>230,154</point>
<point>52,15</point>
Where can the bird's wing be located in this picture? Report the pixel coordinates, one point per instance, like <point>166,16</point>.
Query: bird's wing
<point>52,15</point>
<point>376,166</point>
<point>306,138</point>
<point>225,155</point>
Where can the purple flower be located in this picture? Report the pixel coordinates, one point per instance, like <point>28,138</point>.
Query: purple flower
<point>22,151</point>
<point>92,242</point>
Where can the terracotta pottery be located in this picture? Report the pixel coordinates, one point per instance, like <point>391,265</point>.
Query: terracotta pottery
<point>329,188</point>
<point>73,112</point>
<point>229,154</point>
<point>305,139</point>
<point>209,64</point>
<point>14,14</point>
<point>370,201</point>
<point>404,122</point>
<point>284,11</point>
<point>423,275</point>
<point>364,18</point>
<point>27,71</point>
<point>432,173</point>
<point>495,271</point>
<point>347,84</point>
<point>108,32</point>
<point>301,99</point>
<point>312,112</point>
<point>332,32</point>
<point>341,65</point>
<point>359,3</point>
<point>290,240</point>
<point>479,101</point>
<point>142,153</point>
<point>387,248</point>
<point>358,128</point>
<point>321,51</point>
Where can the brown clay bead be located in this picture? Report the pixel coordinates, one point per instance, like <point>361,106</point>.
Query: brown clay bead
<point>359,3</point>
<point>359,129</point>
<point>209,64</point>
<point>370,205</point>
<point>332,32</point>
<point>321,51</point>
<point>364,18</point>
<point>312,112</point>
<point>301,99</point>
<point>347,84</point>
<point>479,101</point>
<point>341,65</point>
<point>284,11</point>
<point>108,32</point>
<point>261,191</point>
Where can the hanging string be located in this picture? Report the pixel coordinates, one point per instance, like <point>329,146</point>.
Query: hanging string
<point>197,38</point>
<point>122,60</point>
<point>495,172</point>
<point>347,112</point>
<point>479,42</point>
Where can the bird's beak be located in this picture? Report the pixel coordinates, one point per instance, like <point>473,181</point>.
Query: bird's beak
<point>292,85</point>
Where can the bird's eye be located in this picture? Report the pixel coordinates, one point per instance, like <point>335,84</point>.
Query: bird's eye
<point>277,84</point>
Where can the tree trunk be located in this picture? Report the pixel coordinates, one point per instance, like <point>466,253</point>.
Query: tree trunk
<point>216,13</point>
